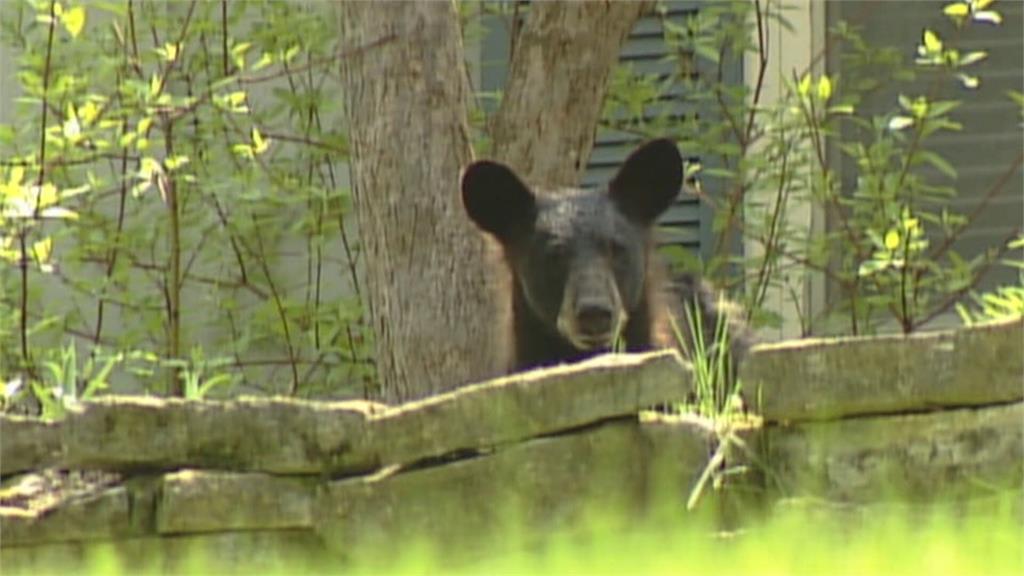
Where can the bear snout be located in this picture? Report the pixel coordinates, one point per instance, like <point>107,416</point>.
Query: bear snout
<point>591,323</point>
<point>594,319</point>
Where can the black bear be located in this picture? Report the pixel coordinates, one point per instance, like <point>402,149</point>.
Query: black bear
<point>584,273</point>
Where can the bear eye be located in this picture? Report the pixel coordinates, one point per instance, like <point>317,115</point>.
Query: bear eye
<point>550,250</point>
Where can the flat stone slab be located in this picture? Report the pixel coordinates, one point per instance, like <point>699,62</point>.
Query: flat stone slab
<point>194,501</point>
<point>102,516</point>
<point>28,443</point>
<point>286,436</point>
<point>915,456</point>
<point>278,435</point>
<point>530,404</point>
<point>832,378</point>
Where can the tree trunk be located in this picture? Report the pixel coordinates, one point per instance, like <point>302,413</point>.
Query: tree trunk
<point>431,300</point>
<point>437,297</point>
<point>562,58</point>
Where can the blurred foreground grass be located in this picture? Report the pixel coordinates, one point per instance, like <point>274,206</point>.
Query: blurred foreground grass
<point>798,537</point>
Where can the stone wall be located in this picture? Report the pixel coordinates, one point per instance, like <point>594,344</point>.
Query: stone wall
<point>847,420</point>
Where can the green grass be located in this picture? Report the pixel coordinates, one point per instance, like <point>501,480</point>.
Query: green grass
<point>791,542</point>
<point>717,390</point>
<point>982,538</point>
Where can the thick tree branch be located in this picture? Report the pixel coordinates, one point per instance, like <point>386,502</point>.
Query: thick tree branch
<point>557,80</point>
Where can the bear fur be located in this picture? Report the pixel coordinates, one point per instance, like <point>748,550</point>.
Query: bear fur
<point>584,272</point>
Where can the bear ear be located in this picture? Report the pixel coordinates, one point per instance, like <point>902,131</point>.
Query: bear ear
<point>648,181</point>
<point>497,200</point>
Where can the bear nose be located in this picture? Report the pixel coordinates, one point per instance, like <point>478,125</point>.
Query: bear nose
<point>594,318</point>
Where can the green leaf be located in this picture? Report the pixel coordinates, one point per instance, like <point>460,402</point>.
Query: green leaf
<point>804,87</point>
<point>238,54</point>
<point>824,88</point>
<point>900,122</point>
<point>73,20</point>
<point>263,62</point>
<point>972,57</point>
<point>968,81</point>
<point>58,213</point>
<point>692,168</point>
<point>989,16</point>
<point>154,84</point>
<point>169,51</point>
<point>175,162</point>
<point>705,51</point>
<point>240,48</point>
<point>920,107</point>
<point>72,192</point>
<point>291,53</point>
<point>940,163</point>
<point>957,10</point>
<point>88,112</point>
<point>942,107</point>
<point>841,109</point>
<point>71,129</point>
<point>7,134</point>
<point>259,144</point>
<point>242,150</point>
<point>892,239</point>
<point>42,249</point>
<point>16,176</point>
<point>932,44</point>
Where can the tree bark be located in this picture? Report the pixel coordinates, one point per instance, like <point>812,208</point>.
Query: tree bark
<point>438,299</point>
<point>556,84</point>
<point>431,300</point>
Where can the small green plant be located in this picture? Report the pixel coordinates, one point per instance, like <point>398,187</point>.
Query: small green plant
<point>65,382</point>
<point>716,387</point>
<point>1003,303</point>
<point>195,375</point>
<point>717,393</point>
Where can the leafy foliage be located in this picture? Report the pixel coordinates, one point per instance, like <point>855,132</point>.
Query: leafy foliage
<point>889,249</point>
<point>173,177</point>
<point>173,218</point>
<point>1003,303</point>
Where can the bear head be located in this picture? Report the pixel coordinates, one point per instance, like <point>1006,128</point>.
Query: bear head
<point>579,258</point>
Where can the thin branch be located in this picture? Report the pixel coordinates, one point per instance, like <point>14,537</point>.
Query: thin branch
<point>991,193</point>
<point>762,66</point>
<point>341,54</point>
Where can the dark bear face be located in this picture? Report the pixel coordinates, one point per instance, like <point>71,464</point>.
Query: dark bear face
<point>579,257</point>
<point>581,268</point>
